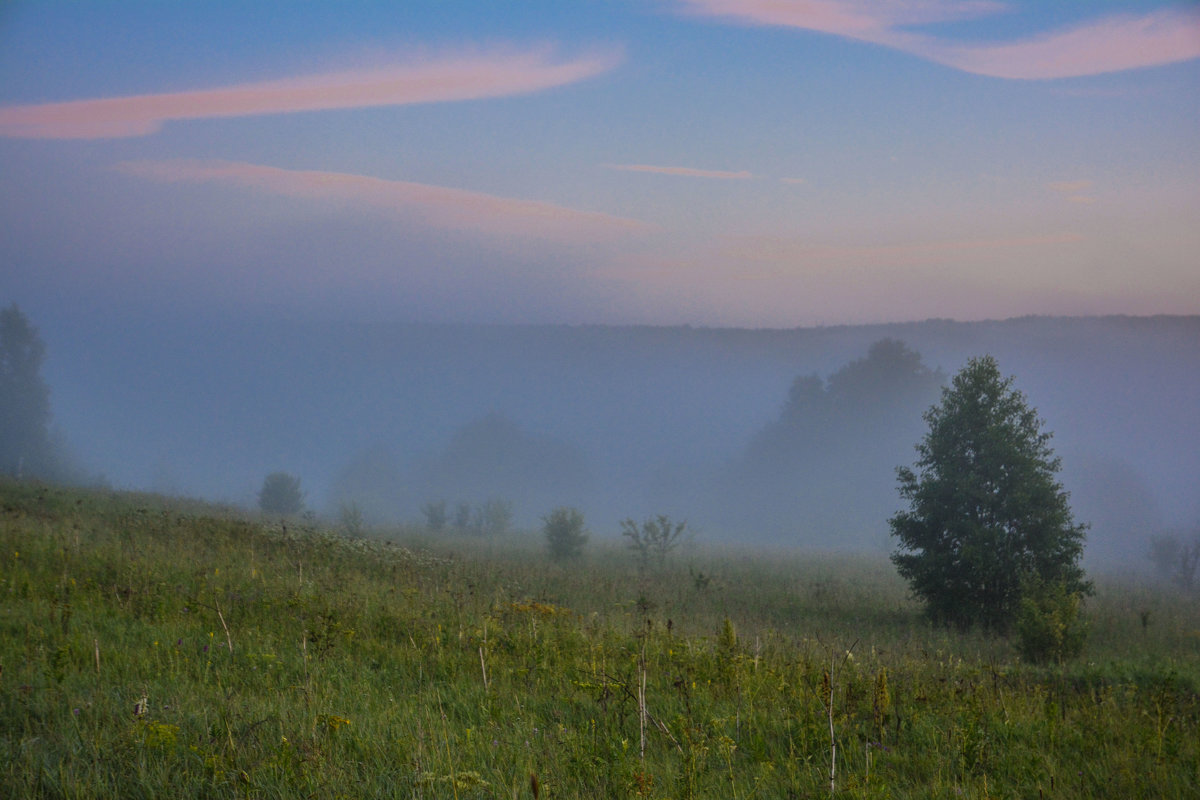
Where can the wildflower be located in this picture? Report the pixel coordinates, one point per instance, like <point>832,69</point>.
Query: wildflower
<point>332,721</point>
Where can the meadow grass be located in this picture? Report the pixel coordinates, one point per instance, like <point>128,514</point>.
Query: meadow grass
<point>153,647</point>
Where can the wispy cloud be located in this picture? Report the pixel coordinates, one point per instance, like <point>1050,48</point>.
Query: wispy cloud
<point>1110,44</point>
<point>442,207</point>
<point>1070,187</point>
<point>443,79</point>
<point>685,172</point>
<point>1074,191</point>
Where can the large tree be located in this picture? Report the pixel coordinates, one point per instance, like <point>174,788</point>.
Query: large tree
<point>24,397</point>
<point>988,523</point>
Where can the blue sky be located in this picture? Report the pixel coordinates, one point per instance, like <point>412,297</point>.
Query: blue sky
<point>711,162</point>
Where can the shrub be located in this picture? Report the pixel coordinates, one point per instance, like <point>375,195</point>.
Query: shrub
<point>1048,627</point>
<point>565,533</point>
<point>653,540</point>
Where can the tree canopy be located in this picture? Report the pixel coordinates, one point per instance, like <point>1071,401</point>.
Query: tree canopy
<point>987,521</point>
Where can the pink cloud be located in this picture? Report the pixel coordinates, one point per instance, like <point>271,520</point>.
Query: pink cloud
<point>435,80</point>
<point>455,209</point>
<point>1111,44</point>
<point>686,172</point>
<point>1074,190</point>
<point>869,20</point>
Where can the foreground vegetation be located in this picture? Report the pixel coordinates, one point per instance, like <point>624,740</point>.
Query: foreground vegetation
<point>154,648</point>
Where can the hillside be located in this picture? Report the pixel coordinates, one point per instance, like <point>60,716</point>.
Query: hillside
<point>155,647</point>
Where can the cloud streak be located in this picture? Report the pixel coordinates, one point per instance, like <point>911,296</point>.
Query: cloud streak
<point>444,79</point>
<point>684,172</point>
<point>453,209</point>
<point>1111,44</point>
<point>1075,191</point>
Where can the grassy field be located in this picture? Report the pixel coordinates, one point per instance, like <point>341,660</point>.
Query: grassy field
<point>159,648</point>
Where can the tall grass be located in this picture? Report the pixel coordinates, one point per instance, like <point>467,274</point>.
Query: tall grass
<point>158,648</point>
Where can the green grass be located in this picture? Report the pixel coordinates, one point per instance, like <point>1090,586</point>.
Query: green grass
<point>158,648</point>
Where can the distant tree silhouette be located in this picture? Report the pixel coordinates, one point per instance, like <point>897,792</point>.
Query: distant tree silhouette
<point>822,468</point>
<point>280,494</point>
<point>565,533</point>
<point>25,447</point>
<point>877,396</point>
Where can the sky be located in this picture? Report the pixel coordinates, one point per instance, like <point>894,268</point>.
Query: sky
<point>751,163</point>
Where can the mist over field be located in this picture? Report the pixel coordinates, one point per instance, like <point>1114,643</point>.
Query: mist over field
<point>772,437</point>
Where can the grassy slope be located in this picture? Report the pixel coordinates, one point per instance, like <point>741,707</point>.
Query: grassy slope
<point>286,663</point>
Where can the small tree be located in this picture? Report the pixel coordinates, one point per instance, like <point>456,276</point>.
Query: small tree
<point>351,517</point>
<point>462,516</point>
<point>435,515</point>
<point>494,517</point>
<point>565,533</point>
<point>654,539</point>
<point>986,516</point>
<point>1176,557</point>
<point>280,494</point>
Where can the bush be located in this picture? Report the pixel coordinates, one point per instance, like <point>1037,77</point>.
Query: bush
<point>280,494</point>
<point>1048,626</point>
<point>653,540</point>
<point>565,533</point>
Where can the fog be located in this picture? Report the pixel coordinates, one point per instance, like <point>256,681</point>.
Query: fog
<point>773,437</point>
